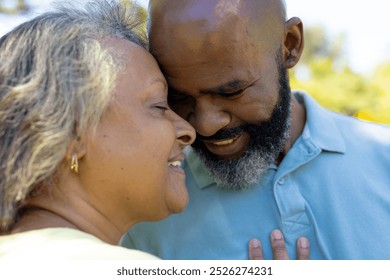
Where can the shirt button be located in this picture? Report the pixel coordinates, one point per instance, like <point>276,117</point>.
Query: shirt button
<point>281,181</point>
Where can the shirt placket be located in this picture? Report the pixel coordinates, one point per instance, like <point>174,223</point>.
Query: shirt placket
<point>289,199</point>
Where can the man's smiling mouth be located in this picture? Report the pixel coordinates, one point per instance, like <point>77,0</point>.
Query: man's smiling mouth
<point>223,142</point>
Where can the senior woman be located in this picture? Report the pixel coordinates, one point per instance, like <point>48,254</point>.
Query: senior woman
<point>88,144</point>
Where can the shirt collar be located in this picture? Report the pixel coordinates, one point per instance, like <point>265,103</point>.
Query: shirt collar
<point>320,130</point>
<point>200,173</point>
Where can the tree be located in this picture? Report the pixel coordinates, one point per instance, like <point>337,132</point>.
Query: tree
<point>324,74</point>
<point>319,45</point>
<point>140,12</point>
<point>20,6</point>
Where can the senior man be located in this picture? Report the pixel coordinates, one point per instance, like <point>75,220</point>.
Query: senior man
<point>264,157</point>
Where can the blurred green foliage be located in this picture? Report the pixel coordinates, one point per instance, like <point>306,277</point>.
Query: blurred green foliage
<point>19,6</point>
<point>139,11</point>
<point>325,76</point>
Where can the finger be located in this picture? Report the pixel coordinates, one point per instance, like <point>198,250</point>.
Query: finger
<point>255,250</point>
<point>278,246</point>
<point>303,249</point>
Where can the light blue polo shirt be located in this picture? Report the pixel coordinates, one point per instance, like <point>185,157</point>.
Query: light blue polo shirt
<point>333,186</point>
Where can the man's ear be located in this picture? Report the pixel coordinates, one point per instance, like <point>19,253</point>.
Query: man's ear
<point>293,42</point>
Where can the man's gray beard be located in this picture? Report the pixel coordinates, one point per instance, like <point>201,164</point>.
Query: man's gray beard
<point>266,144</point>
<point>244,172</point>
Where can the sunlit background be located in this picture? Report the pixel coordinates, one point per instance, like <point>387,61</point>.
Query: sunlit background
<point>346,63</point>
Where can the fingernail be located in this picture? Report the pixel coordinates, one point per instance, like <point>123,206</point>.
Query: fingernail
<point>254,243</point>
<point>303,243</point>
<point>276,234</point>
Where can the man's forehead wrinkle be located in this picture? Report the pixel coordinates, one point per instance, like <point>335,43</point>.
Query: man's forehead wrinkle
<point>173,69</point>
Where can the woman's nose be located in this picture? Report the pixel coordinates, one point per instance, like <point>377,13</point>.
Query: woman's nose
<point>185,133</point>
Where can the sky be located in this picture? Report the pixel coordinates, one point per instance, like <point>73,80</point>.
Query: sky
<point>363,22</point>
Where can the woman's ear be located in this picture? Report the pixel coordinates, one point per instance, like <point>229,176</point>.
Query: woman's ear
<point>76,150</point>
<point>293,42</point>
<point>76,147</point>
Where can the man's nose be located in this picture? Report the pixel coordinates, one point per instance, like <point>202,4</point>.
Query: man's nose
<point>208,117</point>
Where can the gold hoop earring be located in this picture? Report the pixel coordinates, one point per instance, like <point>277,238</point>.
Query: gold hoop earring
<point>74,164</point>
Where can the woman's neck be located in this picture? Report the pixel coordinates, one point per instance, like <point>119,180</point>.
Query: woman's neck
<point>34,218</point>
<point>48,212</point>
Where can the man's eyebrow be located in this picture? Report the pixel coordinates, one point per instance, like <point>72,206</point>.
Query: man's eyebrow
<point>229,87</point>
<point>172,90</point>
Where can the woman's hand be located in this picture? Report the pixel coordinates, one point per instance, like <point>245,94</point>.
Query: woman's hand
<point>279,248</point>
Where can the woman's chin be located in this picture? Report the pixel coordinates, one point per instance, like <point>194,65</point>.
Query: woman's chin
<point>179,202</point>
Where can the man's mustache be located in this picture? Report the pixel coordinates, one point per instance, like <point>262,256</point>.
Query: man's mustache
<point>222,134</point>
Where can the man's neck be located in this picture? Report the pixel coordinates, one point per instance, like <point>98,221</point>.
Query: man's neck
<point>298,114</point>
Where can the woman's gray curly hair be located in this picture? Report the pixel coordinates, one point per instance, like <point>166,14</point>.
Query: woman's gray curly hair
<point>55,83</point>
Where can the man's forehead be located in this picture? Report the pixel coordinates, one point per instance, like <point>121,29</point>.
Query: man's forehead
<point>199,24</point>
<point>203,22</point>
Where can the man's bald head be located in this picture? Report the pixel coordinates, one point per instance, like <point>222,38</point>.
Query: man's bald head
<point>219,6</point>
<point>199,24</point>
<point>215,13</point>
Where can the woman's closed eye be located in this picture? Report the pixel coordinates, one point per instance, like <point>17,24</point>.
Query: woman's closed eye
<point>162,106</point>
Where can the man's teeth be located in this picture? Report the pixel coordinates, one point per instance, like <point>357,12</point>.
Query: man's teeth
<point>174,163</point>
<point>225,142</point>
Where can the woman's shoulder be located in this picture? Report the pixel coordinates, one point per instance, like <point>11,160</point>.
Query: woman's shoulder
<point>64,243</point>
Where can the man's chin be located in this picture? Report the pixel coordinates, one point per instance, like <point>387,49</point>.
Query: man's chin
<point>234,174</point>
